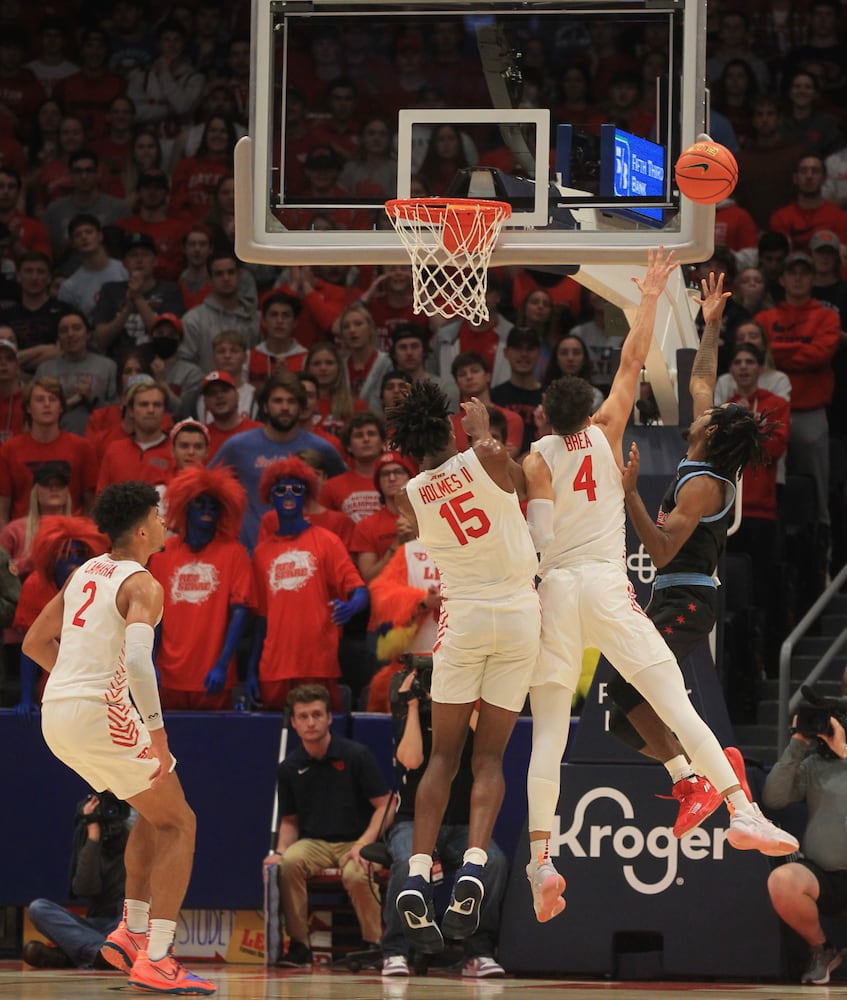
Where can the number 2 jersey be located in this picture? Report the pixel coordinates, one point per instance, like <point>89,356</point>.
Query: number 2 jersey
<point>588,500</point>
<point>473,530</point>
<point>90,665</point>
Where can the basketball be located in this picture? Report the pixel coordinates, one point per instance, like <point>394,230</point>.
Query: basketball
<point>706,173</point>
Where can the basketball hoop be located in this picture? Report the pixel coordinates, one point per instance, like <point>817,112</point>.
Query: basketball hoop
<point>450,244</point>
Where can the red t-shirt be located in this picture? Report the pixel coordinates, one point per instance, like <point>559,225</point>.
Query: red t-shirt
<point>352,494</point>
<point>21,455</point>
<point>376,533</point>
<point>104,426</point>
<point>200,587</point>
<point>89,97</point>
<point>332,520</point>
<point>217,436</point>
<point>261,365</point>
<point>11,415</point>
<point>194,183</point>
<point>296,578</point>
<point>36,592</point>
<point>332,424</point>
<point>124,459</point>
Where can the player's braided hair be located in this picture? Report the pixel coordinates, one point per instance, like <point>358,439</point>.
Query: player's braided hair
<point>420,424</point>
<point>738,439</point>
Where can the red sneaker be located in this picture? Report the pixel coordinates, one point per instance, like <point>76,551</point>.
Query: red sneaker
<point>698,799</point>
<point>121,947</point>
<point>733,755</point>
<point>167,976</point>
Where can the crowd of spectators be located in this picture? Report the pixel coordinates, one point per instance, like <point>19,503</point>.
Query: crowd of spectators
<point>135,344</point>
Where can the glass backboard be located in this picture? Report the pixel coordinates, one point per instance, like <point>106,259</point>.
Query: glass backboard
<point>359,102</point>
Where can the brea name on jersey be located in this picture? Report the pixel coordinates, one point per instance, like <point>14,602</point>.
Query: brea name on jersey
<point>577,441</point>
<point>444,486</point>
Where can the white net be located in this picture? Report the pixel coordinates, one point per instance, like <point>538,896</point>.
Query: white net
<point>450,245</point>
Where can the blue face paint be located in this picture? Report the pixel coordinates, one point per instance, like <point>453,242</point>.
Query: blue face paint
<point>288,497</point>
<point>201,521</point>
<point>73,555</point>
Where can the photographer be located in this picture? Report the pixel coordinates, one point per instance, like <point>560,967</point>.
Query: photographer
<point>813,770</point>
<point>98,873</point>
<point>410,711</point>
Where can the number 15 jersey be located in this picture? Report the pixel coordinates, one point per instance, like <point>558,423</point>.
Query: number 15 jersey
<point>473,530</point>
<point>588,501</point>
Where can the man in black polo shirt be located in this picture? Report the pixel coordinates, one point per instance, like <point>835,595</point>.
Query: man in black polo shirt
<point>332,797</point>
<point>522,392</point>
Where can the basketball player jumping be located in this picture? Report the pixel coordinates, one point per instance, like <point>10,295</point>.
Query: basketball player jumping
<point>576,515</point>
<point>466,513</point>
<point>105,616</point>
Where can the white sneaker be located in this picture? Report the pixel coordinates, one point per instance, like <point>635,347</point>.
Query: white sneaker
<point>482,967</point>
<point>753,832</point>
<point>395,965</point>
<point>547,887</point>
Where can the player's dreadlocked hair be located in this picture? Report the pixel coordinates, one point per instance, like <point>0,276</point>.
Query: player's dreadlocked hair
<point>420,424</point>
<point>738,440</point>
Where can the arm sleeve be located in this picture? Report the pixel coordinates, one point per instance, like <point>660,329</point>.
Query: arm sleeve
<point>138,653</point>
<point>539,518</point>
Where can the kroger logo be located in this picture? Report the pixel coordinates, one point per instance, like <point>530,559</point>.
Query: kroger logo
<point>632,843</point>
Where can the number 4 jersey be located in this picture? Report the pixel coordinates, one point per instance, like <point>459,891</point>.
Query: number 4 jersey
<point>473,530</point>
<point>588,502</point>
<point>90,665</point>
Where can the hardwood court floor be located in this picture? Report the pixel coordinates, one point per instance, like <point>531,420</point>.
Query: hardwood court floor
<point>246,982</point>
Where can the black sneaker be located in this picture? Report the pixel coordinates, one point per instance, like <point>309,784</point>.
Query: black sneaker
<point>44,956</point>
<point>417,915</point>
<point>821,962</point>
<point>461,918</point>
<point>298,956</point>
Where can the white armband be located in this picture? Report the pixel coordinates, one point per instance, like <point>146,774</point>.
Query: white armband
<point>539,518</point>
<point>141,674</point>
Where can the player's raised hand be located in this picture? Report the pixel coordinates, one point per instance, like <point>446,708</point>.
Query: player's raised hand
<point>475,419</point>
<point>714,297</point>
<point>660,266</point>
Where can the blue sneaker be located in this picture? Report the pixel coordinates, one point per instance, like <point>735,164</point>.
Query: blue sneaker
<point>417,915</point>
<point>461,918</point>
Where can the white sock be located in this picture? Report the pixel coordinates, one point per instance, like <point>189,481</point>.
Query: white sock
<point>679,768</point>
<point>474,856</point>
<point>159,938</point>
<point>739,801</point>
<point>136,915</point>
<point>539,851</point>
<point>421,864</point>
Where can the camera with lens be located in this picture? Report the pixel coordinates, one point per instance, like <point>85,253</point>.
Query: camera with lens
<point>110,812</point>
<point>421,682</point>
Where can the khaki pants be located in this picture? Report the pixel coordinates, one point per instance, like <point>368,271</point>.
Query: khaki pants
<point>308,857</point>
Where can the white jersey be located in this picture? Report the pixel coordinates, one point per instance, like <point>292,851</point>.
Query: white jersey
<point>588,499</point>
<point>422,573</point>
<point>474,531</point>
<point>90,665</point>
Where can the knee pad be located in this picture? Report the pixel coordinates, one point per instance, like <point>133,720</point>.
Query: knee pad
<point>623,729</point>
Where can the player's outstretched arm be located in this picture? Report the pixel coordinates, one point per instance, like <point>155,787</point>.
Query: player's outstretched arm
<point>614,413</point>
<point>539,491</point>
<point>695,500</point>
<point>704,371</point>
